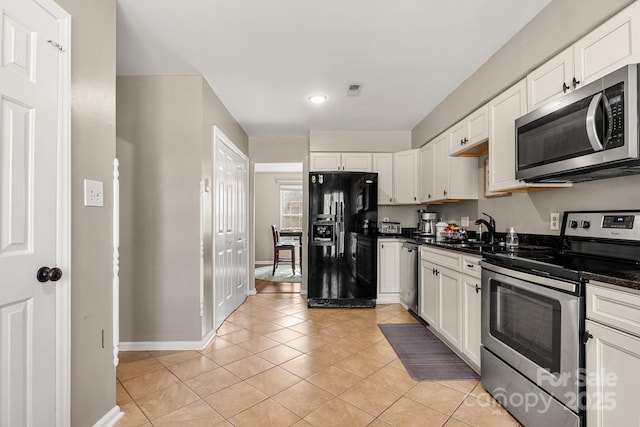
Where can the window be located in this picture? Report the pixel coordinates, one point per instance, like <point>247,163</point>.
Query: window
<point>291,206</point>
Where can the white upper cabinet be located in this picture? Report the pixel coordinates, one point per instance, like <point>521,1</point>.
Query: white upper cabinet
<point>610,46</point>
<point>357,162</point>
<point>445,177</point>
<point>383,165</point>
<point>503,111</point>
<point>324,162</point>
<point>427,168</point>
<point>406,177</point>
<point>551,80</point>
<point>457,135</point>
<point>352,162</point>
<point>466,138</point>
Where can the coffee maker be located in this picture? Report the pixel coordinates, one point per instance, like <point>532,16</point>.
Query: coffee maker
<point>427,223</point>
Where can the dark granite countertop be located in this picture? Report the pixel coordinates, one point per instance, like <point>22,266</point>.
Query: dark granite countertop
<point>623,275</point>
<point>624,278</point>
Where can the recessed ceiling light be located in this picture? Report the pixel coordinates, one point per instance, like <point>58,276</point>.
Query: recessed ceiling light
<point>317,98</point>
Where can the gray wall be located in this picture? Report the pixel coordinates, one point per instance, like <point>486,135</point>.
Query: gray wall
<point>529,212</point>
<point>159,147</point>
<point>267,200</point>
<point>93,115</point>
<point>557,26</point>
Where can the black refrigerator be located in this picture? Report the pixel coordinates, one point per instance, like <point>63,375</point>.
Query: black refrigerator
<point>343,214</point>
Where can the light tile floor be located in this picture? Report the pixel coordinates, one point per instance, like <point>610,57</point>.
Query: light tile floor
<point>276,363</point>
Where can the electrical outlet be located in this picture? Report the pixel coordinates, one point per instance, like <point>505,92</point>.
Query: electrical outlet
<point>554,221</point>
<point>464,221</point>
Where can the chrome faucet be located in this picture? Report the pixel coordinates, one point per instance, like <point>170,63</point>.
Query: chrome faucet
<point>491,226</point>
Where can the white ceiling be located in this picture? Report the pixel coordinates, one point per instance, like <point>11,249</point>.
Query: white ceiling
<point>263,57</point>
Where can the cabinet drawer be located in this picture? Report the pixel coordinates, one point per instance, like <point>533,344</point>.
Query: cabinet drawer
<point>441,257</point>
<point>615,308</point>
<point>471,266</point>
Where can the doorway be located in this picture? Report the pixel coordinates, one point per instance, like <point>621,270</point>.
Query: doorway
<point>278,201</point>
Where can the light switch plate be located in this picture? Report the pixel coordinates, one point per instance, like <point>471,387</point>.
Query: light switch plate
<point>93,193</point>
<point>554,221</point>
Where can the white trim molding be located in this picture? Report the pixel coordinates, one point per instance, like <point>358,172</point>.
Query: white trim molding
<point>116,261</point>
<point>110,418</point>
<point>168,345</point>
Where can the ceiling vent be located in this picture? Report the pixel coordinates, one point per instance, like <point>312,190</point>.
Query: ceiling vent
<point>354,89</point>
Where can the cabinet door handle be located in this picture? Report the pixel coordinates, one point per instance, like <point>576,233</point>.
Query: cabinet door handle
<point>445,193</point>
<point>429,195</point>
<point>586,337</point>
<point>565,87</point>
<point>469,265</point>
<point>575,83</point>
<point>477,289</point>
<point>414,198</point>
<point>382,245</point>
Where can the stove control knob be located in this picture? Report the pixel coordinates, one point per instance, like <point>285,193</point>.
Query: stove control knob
<point>585,224</point>
<point>573,224</point>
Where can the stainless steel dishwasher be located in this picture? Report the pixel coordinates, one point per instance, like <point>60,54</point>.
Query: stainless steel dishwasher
<point>409,276</point>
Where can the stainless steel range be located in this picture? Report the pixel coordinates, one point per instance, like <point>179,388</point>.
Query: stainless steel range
<point>533,315</point>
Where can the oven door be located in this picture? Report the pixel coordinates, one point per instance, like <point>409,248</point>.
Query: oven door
<point>532,323</point>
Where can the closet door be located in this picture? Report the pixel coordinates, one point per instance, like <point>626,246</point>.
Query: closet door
<point>230,269</point>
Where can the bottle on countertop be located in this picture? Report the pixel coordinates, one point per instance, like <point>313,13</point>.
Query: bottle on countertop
<point>479,233</point>
<point>512,240</point>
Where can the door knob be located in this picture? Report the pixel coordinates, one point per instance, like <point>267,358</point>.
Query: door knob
<point>46,274</point>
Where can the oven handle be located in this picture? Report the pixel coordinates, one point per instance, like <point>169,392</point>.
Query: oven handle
<point>545,281</point>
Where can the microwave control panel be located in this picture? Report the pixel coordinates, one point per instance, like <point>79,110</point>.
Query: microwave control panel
<point>615,126</point>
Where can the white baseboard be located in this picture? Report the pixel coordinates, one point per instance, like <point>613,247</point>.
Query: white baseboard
<point>168,345</point>
<point>110,418</point>
<point>388,299</point>
<point>252,291</point>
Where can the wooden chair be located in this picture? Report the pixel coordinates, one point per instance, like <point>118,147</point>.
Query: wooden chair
<point>282,246</point>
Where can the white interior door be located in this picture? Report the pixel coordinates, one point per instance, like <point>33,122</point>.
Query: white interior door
<point>28,209</point>
<point>230,231</point>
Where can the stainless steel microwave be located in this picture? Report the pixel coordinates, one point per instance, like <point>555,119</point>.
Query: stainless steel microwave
<point>591,133</point>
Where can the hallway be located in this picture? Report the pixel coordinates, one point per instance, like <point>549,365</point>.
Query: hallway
<point>276,363</point>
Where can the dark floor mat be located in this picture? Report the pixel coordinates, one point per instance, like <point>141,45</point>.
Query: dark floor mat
<point>425,357</point>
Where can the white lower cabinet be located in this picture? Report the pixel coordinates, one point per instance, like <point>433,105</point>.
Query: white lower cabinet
<point>449,300</point>
<point>613,375</point>
<point>428,292</point>
<point>471,318</point>
<point>389,271</point>
<point>612,357</point>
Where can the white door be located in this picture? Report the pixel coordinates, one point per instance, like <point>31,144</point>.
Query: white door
<point>230,228</point>
<point>240,241</point>
<point>28,208</point>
